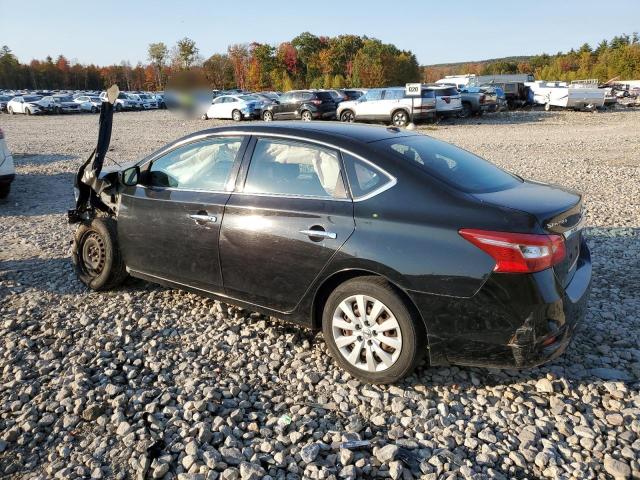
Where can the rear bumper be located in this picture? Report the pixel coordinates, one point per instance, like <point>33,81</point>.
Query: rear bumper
<point>449,113</point>
<point>513,321</point>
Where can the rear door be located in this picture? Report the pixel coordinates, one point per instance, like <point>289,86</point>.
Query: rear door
<point>285,107</point>
<point>290,214</point>
<point>169,224</point>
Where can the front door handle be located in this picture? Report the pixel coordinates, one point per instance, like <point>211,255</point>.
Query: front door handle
<point>319,234</point>
<point>203,218</point>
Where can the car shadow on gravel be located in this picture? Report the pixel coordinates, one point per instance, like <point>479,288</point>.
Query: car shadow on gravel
<point>38,194</point>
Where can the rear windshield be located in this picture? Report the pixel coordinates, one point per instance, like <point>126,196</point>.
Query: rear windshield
<point>446,92</point>
<point>324,95</point>
<point>455,166</point>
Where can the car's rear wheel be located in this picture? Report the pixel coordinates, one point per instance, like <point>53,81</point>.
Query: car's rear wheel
<point>236,115</point>
<point>347,116</point>
<point>10,110</point>
<point>27,111</point>
<point>306,116</point>
<point>57,110</point>
<point>4,190</point>
<point>118,107</point>
<point>96,256</point>
<point>370,331</point>
<point>94,109</point>
<point>267,116</point>
<point>205,116</point>
<point>400,118</point>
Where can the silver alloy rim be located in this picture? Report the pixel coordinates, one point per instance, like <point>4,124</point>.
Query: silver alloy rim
<point>236,116</point>
<point>347,117</point>
<point>400,119</point>
<point>267,117</point>
<point>370,342</point>
<point>306,116</point>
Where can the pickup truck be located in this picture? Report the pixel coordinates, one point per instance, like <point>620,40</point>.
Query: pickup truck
<point>478,100</point>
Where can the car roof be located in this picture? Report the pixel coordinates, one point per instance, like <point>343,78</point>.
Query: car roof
<point>341,132</point>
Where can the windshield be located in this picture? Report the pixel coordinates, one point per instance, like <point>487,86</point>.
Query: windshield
<point>455,166</point>
<point>63,99</point>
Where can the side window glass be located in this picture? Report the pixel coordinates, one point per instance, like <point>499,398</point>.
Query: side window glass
<point>204,165</point>
<point>283,167</point>
<point>374,95</point>
<point>363,178</point>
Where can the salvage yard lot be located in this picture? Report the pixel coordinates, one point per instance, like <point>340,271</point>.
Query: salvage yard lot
<point>145,379</point>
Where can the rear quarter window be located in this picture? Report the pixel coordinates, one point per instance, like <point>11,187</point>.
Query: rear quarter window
<point>457,167</point>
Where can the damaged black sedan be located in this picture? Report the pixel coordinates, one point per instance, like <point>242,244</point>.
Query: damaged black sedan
<point>393,243</point>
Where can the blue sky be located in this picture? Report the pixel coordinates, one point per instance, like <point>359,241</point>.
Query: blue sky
<point>437,32</point>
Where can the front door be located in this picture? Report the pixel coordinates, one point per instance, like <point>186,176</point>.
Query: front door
<point>286,106</point>
<point>368,107</point>
<point>169,225</point>
<point>285,223</point>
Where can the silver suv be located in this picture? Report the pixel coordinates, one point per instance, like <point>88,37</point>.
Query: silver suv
<point>388,105</point>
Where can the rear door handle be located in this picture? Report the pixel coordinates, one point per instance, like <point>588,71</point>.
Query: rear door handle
<point>319,233</point>
<point>204,218</point>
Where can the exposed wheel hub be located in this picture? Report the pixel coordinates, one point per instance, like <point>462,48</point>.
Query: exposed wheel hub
<point>93,253</point>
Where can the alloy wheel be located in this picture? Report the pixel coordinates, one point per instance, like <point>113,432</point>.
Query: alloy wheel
<point>400,118</point>
<point>93,254</point>
<point>367,333</point>
<point>267,116</point>
<point>236,115</point>
<point>347,116</point>
<point>306,116</point>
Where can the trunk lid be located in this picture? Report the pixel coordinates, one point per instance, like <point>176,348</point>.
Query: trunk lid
<point>558,211</point>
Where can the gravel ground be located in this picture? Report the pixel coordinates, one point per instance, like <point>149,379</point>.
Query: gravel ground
<point>145,382</point>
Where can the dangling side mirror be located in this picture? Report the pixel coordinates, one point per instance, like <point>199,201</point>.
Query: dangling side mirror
<point>130,176</point>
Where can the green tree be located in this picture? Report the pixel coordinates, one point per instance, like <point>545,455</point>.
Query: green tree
<point>187,52</point>
<point>157,54</point>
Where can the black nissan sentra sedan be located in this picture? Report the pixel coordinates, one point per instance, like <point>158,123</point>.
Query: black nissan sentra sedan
<point>393,243</point>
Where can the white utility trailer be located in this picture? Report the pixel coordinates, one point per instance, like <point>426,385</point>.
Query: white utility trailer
<point>560,94</point>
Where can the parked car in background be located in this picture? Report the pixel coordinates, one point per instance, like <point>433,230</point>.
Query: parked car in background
<point>148,102</point>
<point>123,102</point>
<point>448,100</point>
<point>89,104</point>
<point>462,261</point>
<point>477,100</point>
<point>305,105</point>
<point>159,97</point>
<point>27,104</point>
<point>388,105</point>
<point>59,104</point>
<point>7,168</point>
<point>514,92</point>
<point>4,99</point>
<point>235,107</point>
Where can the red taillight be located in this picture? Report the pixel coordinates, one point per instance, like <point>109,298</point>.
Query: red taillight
<point>316,102</point>
<point>446,99</point>
<point>518,252</point>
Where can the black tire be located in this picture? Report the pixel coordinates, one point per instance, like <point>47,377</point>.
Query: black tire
<point>467,111</point>
<point>10,110</point>
<point>57,110</point>
<point>96,256</point>
<point>236,115</point>
<point>204,116</point>
<point>413,344</point>
<point>94,109</point>
<point>118,107</point>
<point>5,188</point>
<point>27,111</point>
<point>347,116</point>
<point>400,118</point>
<point>267,116</point>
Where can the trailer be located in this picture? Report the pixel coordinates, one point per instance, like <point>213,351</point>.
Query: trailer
<point>563,95</point>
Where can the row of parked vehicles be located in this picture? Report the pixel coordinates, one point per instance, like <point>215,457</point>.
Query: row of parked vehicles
<point>33,103</point>
<point>389,105</point>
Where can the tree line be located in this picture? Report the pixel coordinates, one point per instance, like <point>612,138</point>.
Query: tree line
<point>307,61</point>
<point>615,58</point>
